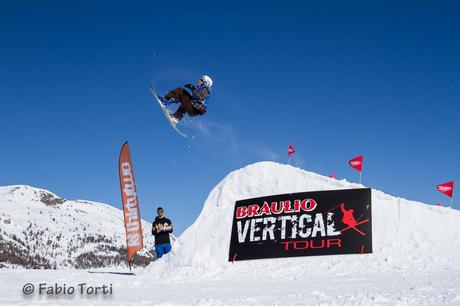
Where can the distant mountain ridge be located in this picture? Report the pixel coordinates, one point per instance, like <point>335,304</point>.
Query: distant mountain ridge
<point>39,229</point>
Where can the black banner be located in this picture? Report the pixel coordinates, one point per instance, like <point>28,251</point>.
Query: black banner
<point>302,224</point>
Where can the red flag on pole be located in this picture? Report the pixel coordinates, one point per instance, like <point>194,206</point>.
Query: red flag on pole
<point>130,204</point>
<point>446,188</point>
<point>291,150</point>
<point>357,163</point>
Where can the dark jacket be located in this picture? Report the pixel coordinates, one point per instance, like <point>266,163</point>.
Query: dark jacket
<point>200,96</point>
<point>160,230</point>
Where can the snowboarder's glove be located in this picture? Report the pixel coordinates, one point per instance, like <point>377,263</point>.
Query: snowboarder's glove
<point>190,86</point>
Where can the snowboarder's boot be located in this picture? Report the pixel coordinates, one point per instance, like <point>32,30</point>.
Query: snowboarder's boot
<point>166,102</point>
<point>174,120</point>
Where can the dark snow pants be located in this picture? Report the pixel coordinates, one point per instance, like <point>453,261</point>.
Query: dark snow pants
<point>185,99</point>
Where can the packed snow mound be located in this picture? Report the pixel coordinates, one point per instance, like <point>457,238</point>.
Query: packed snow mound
<point>405,233</point>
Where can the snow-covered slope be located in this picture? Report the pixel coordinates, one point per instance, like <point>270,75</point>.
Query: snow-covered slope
<point>406,234</point>
<point>41,230</point>
<point>415,260</point>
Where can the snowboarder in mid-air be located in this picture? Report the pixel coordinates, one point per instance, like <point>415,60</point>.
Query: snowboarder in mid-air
<point>193,103</point>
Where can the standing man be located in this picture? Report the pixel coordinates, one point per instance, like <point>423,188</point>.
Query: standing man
<point>161,228</point>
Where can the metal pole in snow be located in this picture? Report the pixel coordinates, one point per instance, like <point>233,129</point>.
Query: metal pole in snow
<point>451,200</point>
<point>289,162</point>
<point>360,173</point>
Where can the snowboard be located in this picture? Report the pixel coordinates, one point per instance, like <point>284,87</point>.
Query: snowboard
<point>165,111</point>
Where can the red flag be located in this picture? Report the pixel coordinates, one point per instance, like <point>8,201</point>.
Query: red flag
<point>333,176</point>
<point>130,204</point>
<point>446,188</point>
<point>291,150</point>
<point>357,163</point>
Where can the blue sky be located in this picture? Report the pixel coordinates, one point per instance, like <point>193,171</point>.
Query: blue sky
<point>335,79</point>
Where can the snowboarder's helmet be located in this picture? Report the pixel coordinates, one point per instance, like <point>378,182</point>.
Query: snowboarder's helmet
<point>206,80</point>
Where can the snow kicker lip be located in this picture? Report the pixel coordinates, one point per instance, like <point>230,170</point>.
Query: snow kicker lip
<point>302,224</point>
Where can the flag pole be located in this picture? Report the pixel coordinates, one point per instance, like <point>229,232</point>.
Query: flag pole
<point>451,200</point>
<point>289,162</point>
<point>360,172</point>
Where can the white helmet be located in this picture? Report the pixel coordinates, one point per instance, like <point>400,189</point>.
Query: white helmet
<point>207,80</point>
